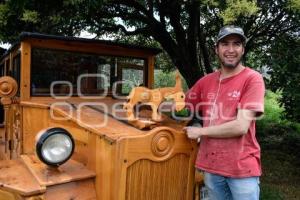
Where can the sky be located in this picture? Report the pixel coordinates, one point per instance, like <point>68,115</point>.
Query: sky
<point>5,46</point>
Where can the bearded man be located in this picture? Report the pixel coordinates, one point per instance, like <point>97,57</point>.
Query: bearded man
<point>229,101</point>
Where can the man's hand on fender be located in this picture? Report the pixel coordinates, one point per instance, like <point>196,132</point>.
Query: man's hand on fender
<point>193,132</point>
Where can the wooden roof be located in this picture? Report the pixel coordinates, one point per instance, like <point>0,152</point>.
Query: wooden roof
<point>29,35</point>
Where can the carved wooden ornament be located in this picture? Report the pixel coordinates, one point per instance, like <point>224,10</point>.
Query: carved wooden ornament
<point>8,89</point>
<point>153,98</point>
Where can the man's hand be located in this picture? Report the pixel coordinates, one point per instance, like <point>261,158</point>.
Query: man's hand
<point>193,132</point>
<point>235,128</point>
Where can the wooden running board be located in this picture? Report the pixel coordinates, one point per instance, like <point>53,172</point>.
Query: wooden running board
<point>28,178</point>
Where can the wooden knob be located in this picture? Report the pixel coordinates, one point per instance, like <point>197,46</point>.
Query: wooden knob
<point>8,87</point>
<point>5,88</point>
<point>162,143</point>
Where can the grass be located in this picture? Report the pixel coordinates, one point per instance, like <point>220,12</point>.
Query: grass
<point>281,175</point>
<point>280,144</point>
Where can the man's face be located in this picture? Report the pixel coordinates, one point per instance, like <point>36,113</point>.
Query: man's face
<point>230,51</point>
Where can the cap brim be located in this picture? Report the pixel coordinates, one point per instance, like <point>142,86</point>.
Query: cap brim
<point>242,36</point>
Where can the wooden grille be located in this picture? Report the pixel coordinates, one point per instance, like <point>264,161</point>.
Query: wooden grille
<point>149,180</point>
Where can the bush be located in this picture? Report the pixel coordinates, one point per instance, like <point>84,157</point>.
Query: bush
<point>274,131</point>
<point>272,121</point>
<point>273,111</point>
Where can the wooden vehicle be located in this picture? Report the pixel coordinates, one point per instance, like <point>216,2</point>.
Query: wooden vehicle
<point>65,134</point>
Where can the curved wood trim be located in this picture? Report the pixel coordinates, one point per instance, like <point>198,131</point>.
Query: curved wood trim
<point>139,147</point>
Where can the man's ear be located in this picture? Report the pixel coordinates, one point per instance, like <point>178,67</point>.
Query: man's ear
<point>216,50</point>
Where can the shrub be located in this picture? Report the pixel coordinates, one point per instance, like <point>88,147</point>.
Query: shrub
<point>271,122</point>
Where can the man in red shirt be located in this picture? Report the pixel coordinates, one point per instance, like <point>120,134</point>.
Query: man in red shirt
<point>229,100</point>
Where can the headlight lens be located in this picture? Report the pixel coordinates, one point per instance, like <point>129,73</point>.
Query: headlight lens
<point>54,146</point>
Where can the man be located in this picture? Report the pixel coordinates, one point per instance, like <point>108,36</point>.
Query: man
<point>229,100</point>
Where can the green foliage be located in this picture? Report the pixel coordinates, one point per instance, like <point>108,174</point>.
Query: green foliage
<point>237,8</point>
<point>211,2</point>
<point>272,116</point>
<point>280,144</point>
<point>273,110</point>
<point>163,62</point>
<point>166,79</point>
<point>294,5</point>
<point>4,10</point>
<point>51,17</point>
<point>284,58</point>
<point>273,127</point>
<point>30,16</point>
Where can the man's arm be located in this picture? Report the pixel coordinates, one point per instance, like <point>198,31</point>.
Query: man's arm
<point>234,128</point>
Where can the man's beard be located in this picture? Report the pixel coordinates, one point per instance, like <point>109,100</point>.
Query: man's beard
<point>230,65</point>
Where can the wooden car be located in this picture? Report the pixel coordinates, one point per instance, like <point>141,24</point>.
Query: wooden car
<point>64,132</point>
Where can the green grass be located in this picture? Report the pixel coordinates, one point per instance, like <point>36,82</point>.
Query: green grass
<point>281,175</point>
<point>280,147</point>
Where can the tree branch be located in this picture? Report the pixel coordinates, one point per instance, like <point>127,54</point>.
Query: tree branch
<point>135,5</point>
<point>180,35</point>
<point>162,14</point>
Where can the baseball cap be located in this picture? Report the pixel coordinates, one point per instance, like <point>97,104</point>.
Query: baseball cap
<point>229,30</point>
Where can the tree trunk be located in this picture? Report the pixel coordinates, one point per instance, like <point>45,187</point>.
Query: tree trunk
<point>204,50</point>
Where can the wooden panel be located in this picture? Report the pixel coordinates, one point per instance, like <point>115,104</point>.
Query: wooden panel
<point>162,148</point>
<point>80,135</point>
<point>165,180</point>
<point>32,124</point>
<point>150,72</point>
<point>81,152</point>
<point>199,183</point>
<point>5,153</point>
<point>106,185</point>
<point>35,197</point>
<point>25,71</point>
<point>80,190</point>
<point>77,132</point>
<point>4,195</point>
<point>15,177</point>
<point>15,113</point>
<point>2,144</point>
<point>46,176</point>
<point>158,145</point>
<point>11,134</point>
<point>123,167</point>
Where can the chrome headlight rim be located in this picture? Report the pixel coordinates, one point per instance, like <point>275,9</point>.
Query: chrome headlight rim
<point>43,136</point>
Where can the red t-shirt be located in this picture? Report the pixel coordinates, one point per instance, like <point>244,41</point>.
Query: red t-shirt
<point>218,101</point>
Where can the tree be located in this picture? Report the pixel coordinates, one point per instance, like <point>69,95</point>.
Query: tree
<point>50,17</point>
<point>284,57</point>
<point>185,29</point>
